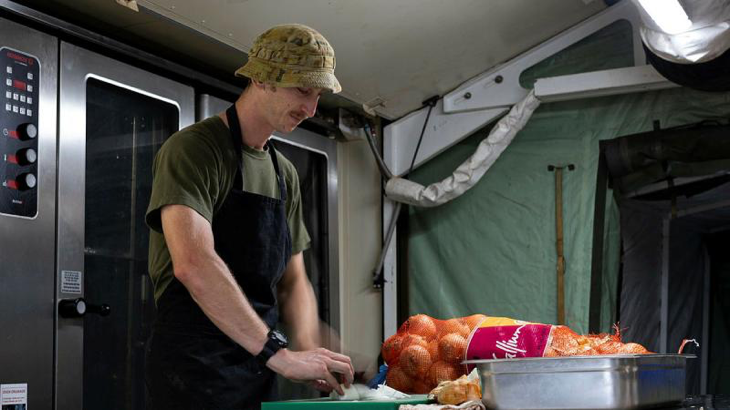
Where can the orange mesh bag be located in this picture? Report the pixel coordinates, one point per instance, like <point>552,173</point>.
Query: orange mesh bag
<point>565,342</point>
<point>505,338</point>
<point>426,351</point>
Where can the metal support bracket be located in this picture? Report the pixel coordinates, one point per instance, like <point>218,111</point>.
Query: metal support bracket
<point>486,97</point>
<point>601,84</point>
<point>390,277</point>
<point>500,86</point>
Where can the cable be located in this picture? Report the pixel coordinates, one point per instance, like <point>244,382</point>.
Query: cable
<point>378,277</point>
<point>376,153</point>
<point>431,102</point>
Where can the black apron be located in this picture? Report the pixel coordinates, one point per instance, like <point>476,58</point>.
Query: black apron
<point>191,364</point>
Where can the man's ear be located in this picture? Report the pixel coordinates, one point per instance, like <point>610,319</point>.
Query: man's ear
<point>263,86</point>
<point>259,84</point>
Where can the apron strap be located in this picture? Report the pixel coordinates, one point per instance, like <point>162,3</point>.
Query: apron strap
<point>282,184</point>
<point>235,129</point>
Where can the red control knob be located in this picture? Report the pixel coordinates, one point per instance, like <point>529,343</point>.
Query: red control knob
<point>26,156</point>
<point>26,181</point>
<point>27,131</point>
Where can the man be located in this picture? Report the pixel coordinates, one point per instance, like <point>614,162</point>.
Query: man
<point>227,238</point>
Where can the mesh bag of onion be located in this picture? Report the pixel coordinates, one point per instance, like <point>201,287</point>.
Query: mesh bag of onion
<point>426,351</point>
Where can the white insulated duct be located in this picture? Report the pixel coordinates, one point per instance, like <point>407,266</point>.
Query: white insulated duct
<point>706,38</point>
<point>472,170</point>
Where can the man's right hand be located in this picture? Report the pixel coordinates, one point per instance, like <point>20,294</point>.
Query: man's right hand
<point>313,366</point>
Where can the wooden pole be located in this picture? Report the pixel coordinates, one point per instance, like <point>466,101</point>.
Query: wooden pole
<point>559,243</point>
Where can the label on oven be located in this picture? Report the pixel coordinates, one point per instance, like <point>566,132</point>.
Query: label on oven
<point>71,282</point>
<point>14,396</point>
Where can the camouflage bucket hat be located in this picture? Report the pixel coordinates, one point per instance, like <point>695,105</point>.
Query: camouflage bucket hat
<point>292,55</point>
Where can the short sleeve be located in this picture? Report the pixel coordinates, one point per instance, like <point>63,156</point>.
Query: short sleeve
<point>185,172</point>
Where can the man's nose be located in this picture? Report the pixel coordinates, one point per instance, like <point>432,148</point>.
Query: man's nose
<point>310,106</point>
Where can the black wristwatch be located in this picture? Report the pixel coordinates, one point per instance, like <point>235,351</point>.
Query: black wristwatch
<point>275,341</point>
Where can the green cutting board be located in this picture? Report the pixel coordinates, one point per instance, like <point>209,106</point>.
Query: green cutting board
<point>327,403</point>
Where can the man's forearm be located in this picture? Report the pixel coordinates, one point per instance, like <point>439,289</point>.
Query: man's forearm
<point>215,290</point>
<point>207,278</point>
<point>299,305</point>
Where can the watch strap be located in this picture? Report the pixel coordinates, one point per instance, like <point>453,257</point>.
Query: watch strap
<point>275,341</point>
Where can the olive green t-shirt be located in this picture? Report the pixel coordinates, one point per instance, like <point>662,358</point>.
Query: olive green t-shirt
<point>196,167</point>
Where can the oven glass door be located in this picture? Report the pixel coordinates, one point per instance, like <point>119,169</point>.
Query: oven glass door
<point>124,130</point>
<point>114,122</point>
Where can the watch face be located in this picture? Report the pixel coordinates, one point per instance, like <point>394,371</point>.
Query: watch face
<point>279,338</point>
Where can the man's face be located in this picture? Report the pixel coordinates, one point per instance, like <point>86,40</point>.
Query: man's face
<point>288,107</point>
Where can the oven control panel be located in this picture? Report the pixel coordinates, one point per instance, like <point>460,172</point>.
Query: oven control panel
<point>20,74</point>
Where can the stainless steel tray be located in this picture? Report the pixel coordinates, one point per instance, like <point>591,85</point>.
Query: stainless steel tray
<point>583,382</point>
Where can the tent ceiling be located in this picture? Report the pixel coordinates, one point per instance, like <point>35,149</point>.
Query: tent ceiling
<point>402,51</point>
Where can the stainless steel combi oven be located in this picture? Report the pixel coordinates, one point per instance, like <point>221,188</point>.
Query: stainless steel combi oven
<point>79,134</point>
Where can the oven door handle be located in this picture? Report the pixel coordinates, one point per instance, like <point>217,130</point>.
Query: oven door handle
<point>71,308</point>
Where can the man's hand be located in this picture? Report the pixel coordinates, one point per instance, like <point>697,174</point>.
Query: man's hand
<point>317,366</point>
